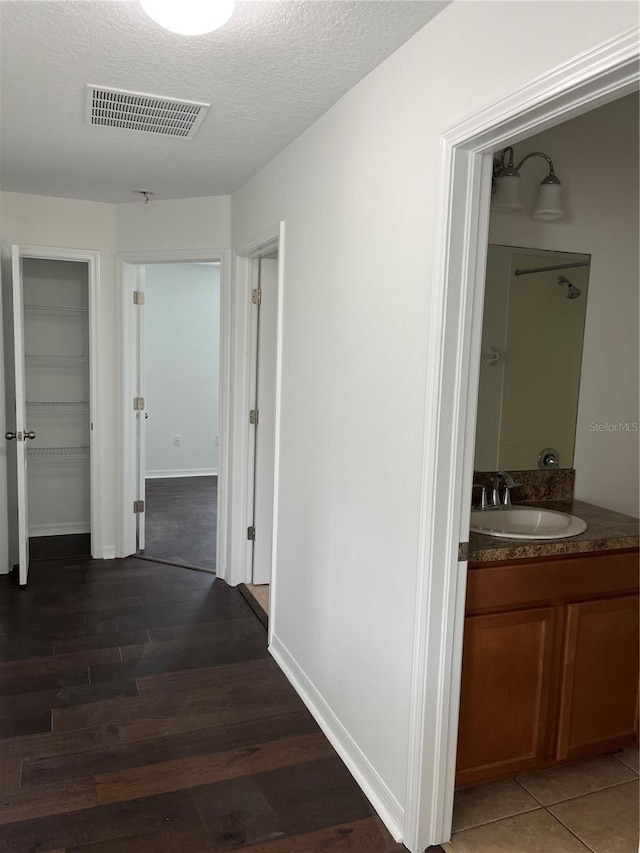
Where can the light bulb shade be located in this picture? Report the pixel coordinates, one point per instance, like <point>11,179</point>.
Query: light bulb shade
<point>189,17</point>
<point>549,204</point>
<point>507,194</point>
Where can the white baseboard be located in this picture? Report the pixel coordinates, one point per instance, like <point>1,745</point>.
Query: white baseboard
<point>383,801</point>
<point>62,529</point>
<point>181,472</point>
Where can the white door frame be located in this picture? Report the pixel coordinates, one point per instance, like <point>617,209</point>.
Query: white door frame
<point>96,450</point>
<point>600,75</point>
<point>126,343</point>
<point>245,275</point>
<point>264,333</point>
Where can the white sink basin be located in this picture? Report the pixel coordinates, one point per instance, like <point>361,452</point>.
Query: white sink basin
<point>526,522</point>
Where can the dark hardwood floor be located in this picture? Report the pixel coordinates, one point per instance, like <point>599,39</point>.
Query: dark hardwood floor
<point>140,712</point>
<point>180,520</point>
<point>60,547</point>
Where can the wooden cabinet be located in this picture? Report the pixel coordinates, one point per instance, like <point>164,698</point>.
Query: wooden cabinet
<point>550,663</point>
<point>506,692</point>
<point>599,687</point>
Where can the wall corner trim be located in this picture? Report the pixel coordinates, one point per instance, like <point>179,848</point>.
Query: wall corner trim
<point>383,801</point>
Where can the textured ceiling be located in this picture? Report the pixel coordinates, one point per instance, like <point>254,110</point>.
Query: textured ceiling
<point>268,74</point>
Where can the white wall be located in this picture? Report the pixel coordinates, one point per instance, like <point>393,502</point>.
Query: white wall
<point>596,158</point>
<point>182,345</point>
<point>356,193</point>
<point>185,223</point>
<point>72,224</point>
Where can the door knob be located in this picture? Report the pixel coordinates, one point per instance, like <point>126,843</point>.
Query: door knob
<point>30,434</point>
<point>9,435</point>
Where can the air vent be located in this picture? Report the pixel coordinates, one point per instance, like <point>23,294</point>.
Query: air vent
<point>139,111</point>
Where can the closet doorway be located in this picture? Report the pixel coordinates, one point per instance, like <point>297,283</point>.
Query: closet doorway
<point>49,308</point>
<point>259,281</point>
<point>262,462</point>
<point>178,423</point>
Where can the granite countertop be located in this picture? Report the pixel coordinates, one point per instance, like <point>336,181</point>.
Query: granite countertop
<point>606,531</point>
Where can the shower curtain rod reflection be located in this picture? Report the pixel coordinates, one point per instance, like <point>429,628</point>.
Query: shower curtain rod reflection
<point>554,267</point>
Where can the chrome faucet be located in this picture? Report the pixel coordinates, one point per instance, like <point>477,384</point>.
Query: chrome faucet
<point>484,501</point>
<point>509,483</point>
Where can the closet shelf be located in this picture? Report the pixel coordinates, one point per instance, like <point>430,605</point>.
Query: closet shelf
<point>56,361</point>
<point>62,454</point>
<point>60,310</point>
<point>57,406</point>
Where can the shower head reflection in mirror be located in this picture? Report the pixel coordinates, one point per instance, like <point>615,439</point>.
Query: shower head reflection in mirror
<point>574,292</point>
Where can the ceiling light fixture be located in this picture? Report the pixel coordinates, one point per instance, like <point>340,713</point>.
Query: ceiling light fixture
<point>189,17</point>
<point>146,194</point>
<point>507,188</point>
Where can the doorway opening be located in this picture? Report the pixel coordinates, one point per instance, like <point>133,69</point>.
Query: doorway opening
<point>549,674</point>
<point>56,357</point>
<point>132,271</point>
<point>50,329</point>
<point>178,412</point>
<point>237,396</point>
<point>601,75</point>
<point>263,361</point>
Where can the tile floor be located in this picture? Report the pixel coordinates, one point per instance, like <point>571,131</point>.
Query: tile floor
<point>261,593</point>
<point>590,805</point>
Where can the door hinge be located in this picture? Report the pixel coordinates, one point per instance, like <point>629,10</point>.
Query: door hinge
<point>256,296</point>
<point>251,533</point>
<point>463,552</point>
<point>138,297</point>
<point>138,506</point>
<point>138,404</point>
<point>254,417</point>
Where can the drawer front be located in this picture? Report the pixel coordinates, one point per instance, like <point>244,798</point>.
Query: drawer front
<point>510,585</point>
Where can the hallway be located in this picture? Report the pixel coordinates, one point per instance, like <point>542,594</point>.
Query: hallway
<point>140,711</point>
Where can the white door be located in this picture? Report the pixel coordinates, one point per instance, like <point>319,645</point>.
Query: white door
<point>265,431</point>
<point>16,430</point>
<point>141,412</point>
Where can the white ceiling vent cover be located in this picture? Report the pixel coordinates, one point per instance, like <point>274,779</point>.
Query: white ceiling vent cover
<point>140,111</point>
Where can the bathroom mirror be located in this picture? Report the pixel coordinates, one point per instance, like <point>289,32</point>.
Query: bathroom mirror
<point>533,328</point>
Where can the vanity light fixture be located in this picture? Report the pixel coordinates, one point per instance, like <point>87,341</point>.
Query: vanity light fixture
<point>189,17</point>
<point>506,178</point>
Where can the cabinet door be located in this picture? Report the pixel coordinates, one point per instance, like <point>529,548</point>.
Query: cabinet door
<point>599,691</point>
<point>507,675</point>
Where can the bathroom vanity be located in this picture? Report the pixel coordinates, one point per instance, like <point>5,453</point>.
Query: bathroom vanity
<point>550,659</point>
<point>550,653</point>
